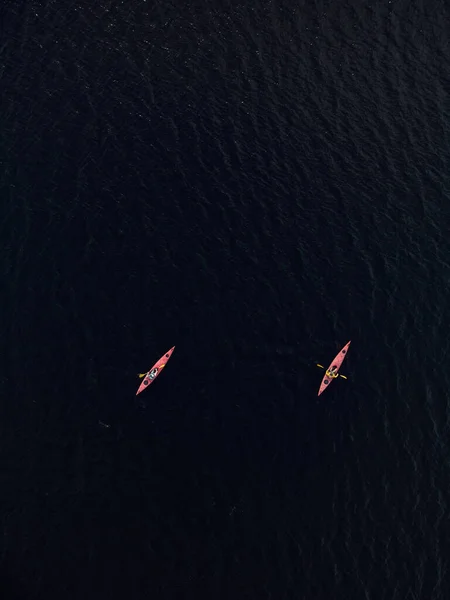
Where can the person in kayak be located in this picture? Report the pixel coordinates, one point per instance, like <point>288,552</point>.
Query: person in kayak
<point>153,373</point>
<point>333,372</point>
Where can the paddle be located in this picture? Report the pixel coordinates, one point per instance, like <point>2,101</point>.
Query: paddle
<point>322,367</point>
<point>141,375</point>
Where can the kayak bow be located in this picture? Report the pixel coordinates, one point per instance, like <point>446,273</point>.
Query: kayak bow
<point>153,373</point>
<point>332,371</point>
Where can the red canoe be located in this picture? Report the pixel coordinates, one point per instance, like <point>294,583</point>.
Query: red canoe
<point>153,373</point>
<point>335,366</point>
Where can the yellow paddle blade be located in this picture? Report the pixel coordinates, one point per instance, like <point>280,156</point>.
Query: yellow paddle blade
<point>322,367</point>
<point>141,375</point>
<point>343,376</point>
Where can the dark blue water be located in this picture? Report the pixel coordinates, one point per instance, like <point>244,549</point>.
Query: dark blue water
<point>255,183</point>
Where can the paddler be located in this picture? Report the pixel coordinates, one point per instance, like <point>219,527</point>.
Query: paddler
<point>333,372</point>
<point>152,373</point>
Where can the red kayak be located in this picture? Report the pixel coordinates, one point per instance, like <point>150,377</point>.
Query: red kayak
<point>332,371</point>
<point>153,373</point>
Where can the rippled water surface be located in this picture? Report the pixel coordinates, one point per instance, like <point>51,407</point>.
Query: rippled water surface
<point>257,184</point>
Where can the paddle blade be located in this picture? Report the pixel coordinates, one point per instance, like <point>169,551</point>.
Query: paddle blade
<point>343,376</point>
<point>321,366</point>
<point>141,375</point>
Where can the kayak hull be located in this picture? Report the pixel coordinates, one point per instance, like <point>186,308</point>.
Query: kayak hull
<point>337,362</point>
<point>159,365</point>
